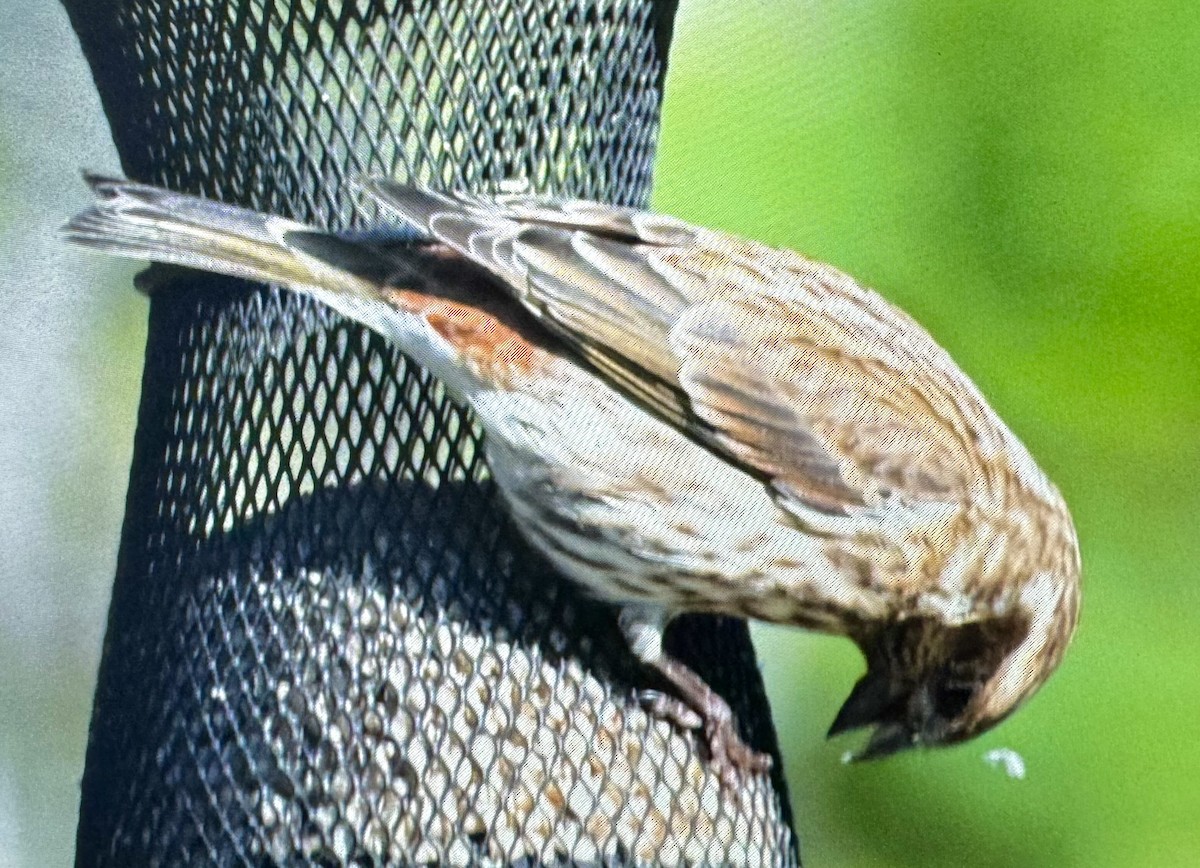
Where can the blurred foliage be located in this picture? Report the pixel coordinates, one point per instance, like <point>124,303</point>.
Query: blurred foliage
<point>1024,178</point>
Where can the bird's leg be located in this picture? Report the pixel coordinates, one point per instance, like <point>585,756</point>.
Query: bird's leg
<point>696,706</point>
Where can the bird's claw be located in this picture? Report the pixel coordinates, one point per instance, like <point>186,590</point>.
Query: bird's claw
<point>671,709</point>
<point>730,757</point>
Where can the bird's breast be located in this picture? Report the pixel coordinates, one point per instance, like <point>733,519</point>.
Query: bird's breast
<point>635,510</point>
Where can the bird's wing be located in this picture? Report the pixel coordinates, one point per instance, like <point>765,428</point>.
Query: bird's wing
<point>838,411</point>
<point>787,367</point>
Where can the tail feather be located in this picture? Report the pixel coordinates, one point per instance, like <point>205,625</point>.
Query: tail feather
<point>144,222</point>
<point>349,274</point>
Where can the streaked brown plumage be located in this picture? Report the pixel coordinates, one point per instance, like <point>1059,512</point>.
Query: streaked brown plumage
<point>686,421</point>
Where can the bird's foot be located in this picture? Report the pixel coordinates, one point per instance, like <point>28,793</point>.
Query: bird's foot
<point>730,757</point>
<point>692,705</point>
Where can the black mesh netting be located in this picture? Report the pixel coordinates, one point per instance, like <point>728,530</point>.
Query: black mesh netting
<point>326,643</point>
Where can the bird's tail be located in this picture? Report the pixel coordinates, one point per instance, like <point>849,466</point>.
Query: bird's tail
<point>144,222</point>
<point>386,281</point>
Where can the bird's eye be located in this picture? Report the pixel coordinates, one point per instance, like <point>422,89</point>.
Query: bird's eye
<point>951,700</point>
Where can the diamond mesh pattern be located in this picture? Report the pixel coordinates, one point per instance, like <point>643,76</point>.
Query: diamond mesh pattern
<point>326,643</point>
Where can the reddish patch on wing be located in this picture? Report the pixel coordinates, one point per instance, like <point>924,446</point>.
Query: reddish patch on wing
<point>493,347</point>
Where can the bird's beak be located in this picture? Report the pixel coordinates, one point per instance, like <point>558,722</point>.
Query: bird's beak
<point>877,700</point>
<point>887,739</point>
<point>871,700</point>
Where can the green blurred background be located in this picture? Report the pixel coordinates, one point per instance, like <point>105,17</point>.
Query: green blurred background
<point>1022,177</point>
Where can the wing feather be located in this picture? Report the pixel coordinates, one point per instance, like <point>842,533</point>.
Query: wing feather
<point>786,366</point>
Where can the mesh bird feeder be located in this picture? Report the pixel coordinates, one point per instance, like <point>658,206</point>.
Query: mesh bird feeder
<point>327,644</point>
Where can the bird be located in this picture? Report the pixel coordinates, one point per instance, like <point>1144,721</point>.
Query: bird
<point>682,420</point>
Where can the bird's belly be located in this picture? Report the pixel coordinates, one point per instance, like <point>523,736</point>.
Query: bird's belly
<point>636,512</point>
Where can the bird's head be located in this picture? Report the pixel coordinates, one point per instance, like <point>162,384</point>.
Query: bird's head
<point>931,683</point>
